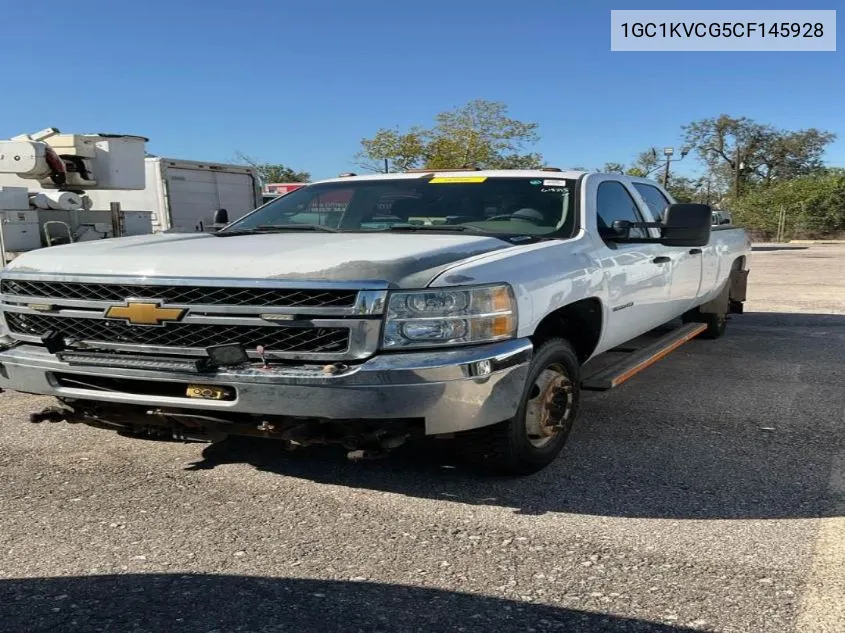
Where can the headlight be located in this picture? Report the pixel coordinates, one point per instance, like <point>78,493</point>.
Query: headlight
<point>450,316</point>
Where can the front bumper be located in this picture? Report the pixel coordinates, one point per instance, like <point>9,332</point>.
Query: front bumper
<point>443,387</point>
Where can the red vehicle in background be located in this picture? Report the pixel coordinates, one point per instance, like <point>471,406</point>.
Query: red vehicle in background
<point>275,189</point>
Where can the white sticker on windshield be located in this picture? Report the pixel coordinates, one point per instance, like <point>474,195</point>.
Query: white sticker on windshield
<point>554,183</point>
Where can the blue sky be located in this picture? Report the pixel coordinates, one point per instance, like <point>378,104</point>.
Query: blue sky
<point>302,83</point>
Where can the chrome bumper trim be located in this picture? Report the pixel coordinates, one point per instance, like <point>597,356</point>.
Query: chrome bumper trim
<point>364,338</point>
<point>367,303</point>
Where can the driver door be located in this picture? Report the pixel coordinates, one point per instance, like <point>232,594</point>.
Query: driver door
<point>636,275</point>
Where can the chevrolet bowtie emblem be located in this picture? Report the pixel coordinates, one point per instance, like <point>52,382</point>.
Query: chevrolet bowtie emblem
<point>145,313</point>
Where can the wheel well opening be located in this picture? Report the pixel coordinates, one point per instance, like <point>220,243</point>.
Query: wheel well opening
<point>580,323</point>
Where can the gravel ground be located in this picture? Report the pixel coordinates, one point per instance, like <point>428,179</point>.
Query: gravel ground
<point>701,495</point>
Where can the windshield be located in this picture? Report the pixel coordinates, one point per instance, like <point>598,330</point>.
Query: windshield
<point>510,206</point>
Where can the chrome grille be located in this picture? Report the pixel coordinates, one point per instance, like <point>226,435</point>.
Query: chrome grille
<point>197,295</point>
<point>282,339</point>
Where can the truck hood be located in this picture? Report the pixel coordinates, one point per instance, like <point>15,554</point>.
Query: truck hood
<point>401,260</point>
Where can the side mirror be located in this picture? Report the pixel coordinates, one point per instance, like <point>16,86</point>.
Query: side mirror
<point>686,225</point>
<point>620,228</point>
<point>221,216</point>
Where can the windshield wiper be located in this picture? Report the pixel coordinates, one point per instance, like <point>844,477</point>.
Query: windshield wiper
<point>277,228</point>
<point>432,227</point>
<point>296,227</point>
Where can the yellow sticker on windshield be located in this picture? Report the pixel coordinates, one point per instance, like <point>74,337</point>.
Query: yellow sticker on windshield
<point>445,179</point>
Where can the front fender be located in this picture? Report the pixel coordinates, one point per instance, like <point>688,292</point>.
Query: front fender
<point>545,277</point>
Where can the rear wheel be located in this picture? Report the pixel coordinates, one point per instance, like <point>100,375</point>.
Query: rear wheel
<point>716,323</point>
<point>534,437</point>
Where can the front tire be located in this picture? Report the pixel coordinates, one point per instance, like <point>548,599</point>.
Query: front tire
<point>536,435</point>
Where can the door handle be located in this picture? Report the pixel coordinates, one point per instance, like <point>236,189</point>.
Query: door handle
<point>661,260</point>
<point>695,251</point>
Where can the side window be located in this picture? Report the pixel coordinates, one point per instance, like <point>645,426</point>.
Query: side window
<point>613,202</point>
<point>654,198</point>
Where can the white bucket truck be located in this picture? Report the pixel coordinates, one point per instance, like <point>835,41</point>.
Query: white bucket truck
<point>45,180</point>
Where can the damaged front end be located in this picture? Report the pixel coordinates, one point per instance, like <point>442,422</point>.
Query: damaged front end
<point>362,438</point>
<point>202,359</point>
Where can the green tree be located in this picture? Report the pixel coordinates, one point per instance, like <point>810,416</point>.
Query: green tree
<point>402,150</point>
<point>478,134</point>
<point>613,168</point>
<point>644,164</point>
<point>812,206</point>
<point>685,189</point>
<point>274,172</point>
<point>740,151</point>
<point>532,160</point>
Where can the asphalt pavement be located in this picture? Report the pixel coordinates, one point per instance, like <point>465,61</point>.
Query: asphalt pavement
<point>706,494</point>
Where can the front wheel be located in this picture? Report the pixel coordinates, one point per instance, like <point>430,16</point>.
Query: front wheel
<point>534,437</point>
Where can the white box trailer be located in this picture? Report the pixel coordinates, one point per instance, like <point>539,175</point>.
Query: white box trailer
<point>184,194</point>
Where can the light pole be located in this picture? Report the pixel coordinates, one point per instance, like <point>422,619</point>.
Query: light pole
<point>668,152</point>
<point>739,167</point>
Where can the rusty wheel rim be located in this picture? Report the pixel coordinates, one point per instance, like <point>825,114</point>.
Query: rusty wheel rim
<point>549,406</point>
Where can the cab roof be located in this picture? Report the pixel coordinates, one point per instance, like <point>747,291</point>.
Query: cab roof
<point>548,174</point>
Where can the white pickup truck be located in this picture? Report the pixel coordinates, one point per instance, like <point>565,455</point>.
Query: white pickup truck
<point>365,310</point>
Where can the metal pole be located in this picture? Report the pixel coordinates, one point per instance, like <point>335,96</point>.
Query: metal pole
<point>114,207</point>
<point>736,173</point>
<point>666,174</point>
<point>386,168</point>
<point>783,225</point>
<point>2,239</point>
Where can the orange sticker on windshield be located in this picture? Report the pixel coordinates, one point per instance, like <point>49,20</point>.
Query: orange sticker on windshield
<point>450,179</point>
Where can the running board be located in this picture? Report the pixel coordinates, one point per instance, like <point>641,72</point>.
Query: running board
<point>630,366</point>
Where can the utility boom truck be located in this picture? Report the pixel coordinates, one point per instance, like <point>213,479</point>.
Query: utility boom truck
<point>366,310</point>
<point>45,182</point>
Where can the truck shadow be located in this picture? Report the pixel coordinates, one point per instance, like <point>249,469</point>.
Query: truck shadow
<point>224,603</point>
<point>747,426</point>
